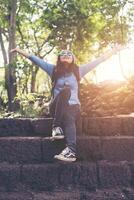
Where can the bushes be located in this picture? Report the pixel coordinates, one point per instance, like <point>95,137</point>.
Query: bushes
<point>107,99</point>
<point>111,98</point>
<point>30,105</point>
<point>33,105</point>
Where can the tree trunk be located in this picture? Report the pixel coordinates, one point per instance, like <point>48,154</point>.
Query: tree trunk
<point>10,70</point>
<point>33,78</point>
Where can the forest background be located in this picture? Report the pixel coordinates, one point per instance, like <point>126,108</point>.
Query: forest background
<point>43,27</point>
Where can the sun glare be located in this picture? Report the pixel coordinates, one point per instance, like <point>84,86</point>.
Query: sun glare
<point>118,67</point>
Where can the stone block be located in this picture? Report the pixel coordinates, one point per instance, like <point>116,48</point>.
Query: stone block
<point>118,148</point>
<point>40,177</point>
<point>89,148</point>
<point>15,196</point>
<point>42,127</point>
<point>15,127</point>
<point>132,172</point>
<point>113,174</point>
<point>9,177</point>
<point>51,148</point>
<point>57,195</point>
<point>20,149</point>
<point>128,125</point>
<point>61,176</point>
<point>102,126</point>
<point>78,175</point>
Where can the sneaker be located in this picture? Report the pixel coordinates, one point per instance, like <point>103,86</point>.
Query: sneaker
<point>57,133</point>
<point>66,155</point>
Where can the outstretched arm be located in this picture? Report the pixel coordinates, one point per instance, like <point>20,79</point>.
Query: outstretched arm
<point>84,69</point>
<point>36,60</point>
<point>21,52</point>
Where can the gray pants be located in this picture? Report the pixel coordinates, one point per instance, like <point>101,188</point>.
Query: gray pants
<point>65,116</point>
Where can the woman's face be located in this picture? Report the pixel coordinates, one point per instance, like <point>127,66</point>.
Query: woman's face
<point>66,56</point>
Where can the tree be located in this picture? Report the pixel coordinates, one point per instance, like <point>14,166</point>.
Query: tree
<point>79,25</point>
<point>8,30</point>
<point>84,26</point>
<point>32,37</point>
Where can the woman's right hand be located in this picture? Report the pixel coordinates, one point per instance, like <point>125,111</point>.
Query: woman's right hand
<point>21,52</point>
<point>14,50</point>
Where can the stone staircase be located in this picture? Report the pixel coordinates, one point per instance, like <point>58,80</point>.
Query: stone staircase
<point>104,169</point>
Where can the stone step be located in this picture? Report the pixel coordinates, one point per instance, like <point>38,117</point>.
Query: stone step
<point>112,148</point>
<point>108,126</point>
<point>89,148</point>
<point>105,194</point>
<point>25,127</point>
<point>99,126</point>
<point>29,149</point>
<point>79,176</point>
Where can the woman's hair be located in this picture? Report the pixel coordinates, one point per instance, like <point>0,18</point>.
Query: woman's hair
<point>60,69</point>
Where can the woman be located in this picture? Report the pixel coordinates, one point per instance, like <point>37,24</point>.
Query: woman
<point>65,106</point>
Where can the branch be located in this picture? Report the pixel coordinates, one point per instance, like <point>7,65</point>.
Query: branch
<point>45,41</point>
<point>46,53</point>
<point>37,42</point>
<point>21,35</point>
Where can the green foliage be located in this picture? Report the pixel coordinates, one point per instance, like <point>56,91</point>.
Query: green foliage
<point>80,25</point>
<point>69,23</point>
<point>110,99</point>
<point>32,105</point>
<point>24,78</point>
<point>3,93</point>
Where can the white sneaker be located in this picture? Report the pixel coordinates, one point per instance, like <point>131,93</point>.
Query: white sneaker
<point>66,155</point>
<point>57,133</point>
